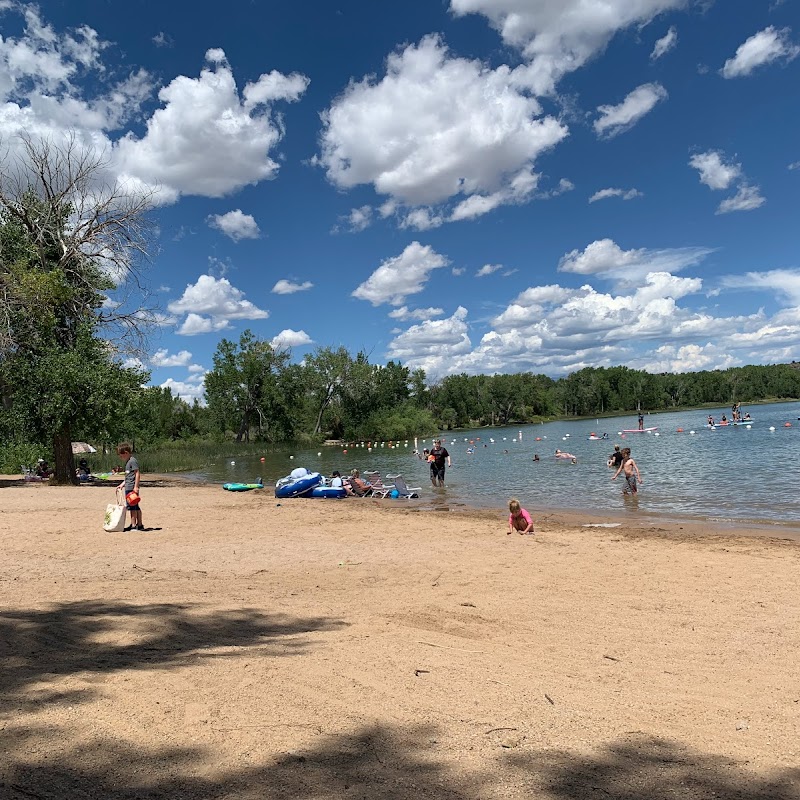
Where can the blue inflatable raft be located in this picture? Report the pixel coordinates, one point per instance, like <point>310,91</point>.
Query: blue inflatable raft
<point>299,484</point>
<point>329,491</point>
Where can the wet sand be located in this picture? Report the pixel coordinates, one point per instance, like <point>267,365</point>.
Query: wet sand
<point>254,648</point>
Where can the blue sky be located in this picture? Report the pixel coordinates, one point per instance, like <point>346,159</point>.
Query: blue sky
<point>461,185</point>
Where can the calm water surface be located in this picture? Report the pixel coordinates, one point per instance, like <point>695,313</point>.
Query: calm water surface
<point>731,474</point>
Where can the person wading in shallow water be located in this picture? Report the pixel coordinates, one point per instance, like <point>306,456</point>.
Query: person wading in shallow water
<point>437,458</point>
<point>631,470</point>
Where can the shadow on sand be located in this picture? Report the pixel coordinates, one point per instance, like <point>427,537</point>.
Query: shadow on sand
<point>37,646</point>
<point>384,763</point>
<point>378,762</point>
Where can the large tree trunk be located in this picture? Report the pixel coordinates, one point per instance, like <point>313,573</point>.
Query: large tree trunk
<point>64,467</point>
<point>244,428</point>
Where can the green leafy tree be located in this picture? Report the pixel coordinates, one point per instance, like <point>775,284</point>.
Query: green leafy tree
<point>67,238</point>
<point>243,389</point>
<point>328,371</point>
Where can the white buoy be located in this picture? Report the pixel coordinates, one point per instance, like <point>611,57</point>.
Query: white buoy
<point>691,432</point>
<point>289,457</point>
<point>748,427</point>
<point>657,434</point>
<point>233,463</point>
<point>563,438</point>
<point>319,454</point>
<point>772,427</point>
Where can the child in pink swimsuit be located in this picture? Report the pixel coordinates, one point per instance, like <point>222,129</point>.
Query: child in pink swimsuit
<point>518,518</point>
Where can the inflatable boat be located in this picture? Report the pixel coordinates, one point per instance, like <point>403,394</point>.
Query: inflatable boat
<point>329,491</point>
<point>299,484</point>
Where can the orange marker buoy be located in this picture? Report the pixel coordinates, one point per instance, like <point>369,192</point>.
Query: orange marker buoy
<point>680,430</point>
<point>344,451</point>
<point>538,438</point>
<point>787,424</point>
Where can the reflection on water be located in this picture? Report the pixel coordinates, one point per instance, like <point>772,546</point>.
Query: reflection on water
<point>728,473</point>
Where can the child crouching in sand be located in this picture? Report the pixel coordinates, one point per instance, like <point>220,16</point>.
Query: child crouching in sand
<point>518,518</point>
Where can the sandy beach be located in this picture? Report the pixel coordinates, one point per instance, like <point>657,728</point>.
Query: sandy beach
<point>254,648</point>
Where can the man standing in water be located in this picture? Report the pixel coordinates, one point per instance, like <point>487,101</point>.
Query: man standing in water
<point>437,460</point>
<point>631,470</point>
<point>641,421</point>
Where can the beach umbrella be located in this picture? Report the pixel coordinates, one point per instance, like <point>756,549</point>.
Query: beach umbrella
<point>82,447</point>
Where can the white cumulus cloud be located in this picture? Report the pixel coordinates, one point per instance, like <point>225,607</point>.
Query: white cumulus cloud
<point>432,343</point>
<point>556,37</point>
<point>210,304</point>
<point>747,198</point>
<point>189,391</point>
<point>195,324</point>
<point>606,258</point>
<point>359,219</point>
<point>289,287</point>
<point>666,43</point>
<point>162,358</point>
<point>401,276</point>
<point>205,140</point>
<point>235,225</point>
<point>714,171</point>
<point>404,313</point>
<point>765,47</point>
<point>435,128</point>
<point>783,283</point>
<point>605,194</point>
<point>614,120</point>
<point>488,269</point>
<point>290,338</point>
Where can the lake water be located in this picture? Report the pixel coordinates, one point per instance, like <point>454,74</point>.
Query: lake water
<point>727,474</point>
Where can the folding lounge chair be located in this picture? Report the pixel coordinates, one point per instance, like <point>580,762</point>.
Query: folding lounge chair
<point>378,489</point>
<point>348,484</point>
<point>402,487</point>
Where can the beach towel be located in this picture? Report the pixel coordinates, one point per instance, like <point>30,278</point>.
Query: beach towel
<point>114,519</point>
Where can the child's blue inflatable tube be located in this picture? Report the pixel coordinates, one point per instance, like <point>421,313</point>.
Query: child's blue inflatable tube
<point>329,491</point>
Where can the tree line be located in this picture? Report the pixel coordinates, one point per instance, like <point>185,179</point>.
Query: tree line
<point>69,239</point>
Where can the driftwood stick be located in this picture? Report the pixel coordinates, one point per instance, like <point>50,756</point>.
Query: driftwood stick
<point>447,647</point>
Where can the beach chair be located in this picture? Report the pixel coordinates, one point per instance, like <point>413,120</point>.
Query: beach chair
<point>403,489</point>
<point>374,480</point>
<point>348,484</point>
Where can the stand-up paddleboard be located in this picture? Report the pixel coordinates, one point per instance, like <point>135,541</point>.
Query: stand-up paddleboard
<point>242,487</point>
<point>640,430</point>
